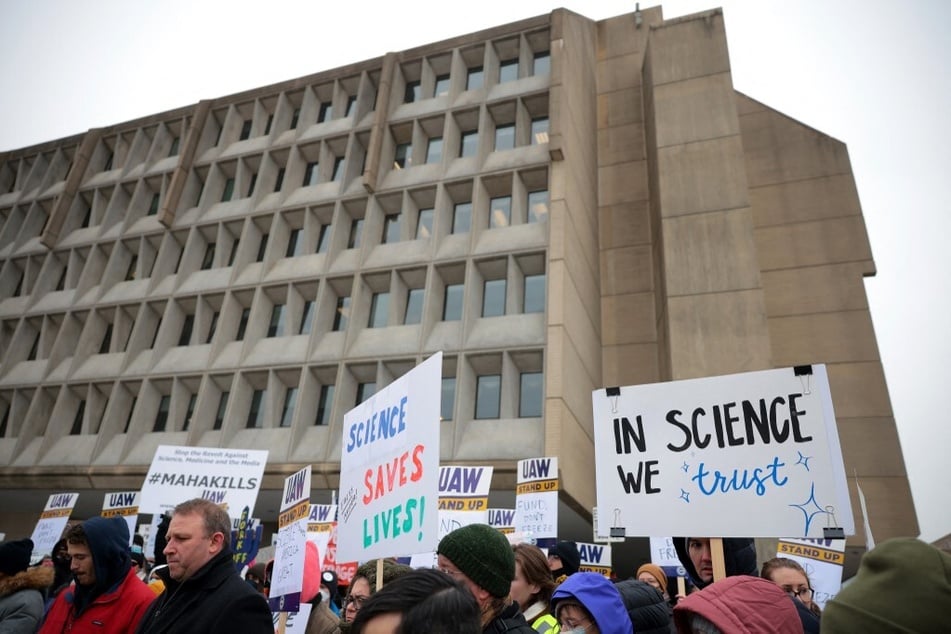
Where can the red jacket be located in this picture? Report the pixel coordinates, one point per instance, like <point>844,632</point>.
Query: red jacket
<point>116,612</point>
<point>741,605</point>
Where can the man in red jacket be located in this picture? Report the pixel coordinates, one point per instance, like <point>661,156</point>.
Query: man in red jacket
<point>107,595</point>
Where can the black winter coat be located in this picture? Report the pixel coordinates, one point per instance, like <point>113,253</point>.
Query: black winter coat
<point>215,600</point>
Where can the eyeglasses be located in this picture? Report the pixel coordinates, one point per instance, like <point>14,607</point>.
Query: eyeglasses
<point>567,627</point>
<point>803,594</point>
<point>455,574</point>
<point>357,601</point>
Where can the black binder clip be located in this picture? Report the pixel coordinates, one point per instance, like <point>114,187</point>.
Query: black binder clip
<point>618,531</point>
<point>804,372</point>
<point>831,530</point>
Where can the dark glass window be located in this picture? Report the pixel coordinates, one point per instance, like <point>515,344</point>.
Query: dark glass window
<point>234,251</point>
<point>279,181</point>
<point>500,211</point>
<point>256,411</point>
<point>474,78</point>
<point>391,229</point>
<point>379,309</point>
<point>306,318</point>
<point>174,149</point>
<point>323,239</point>
<point>310,174</point>
<point>245,130</point>
<point>412,92</point>
<point>493,298</point>
<point>337,175</point>
<point>108,164</point>
<point>209,258</point>
<point>161,416</point>
<point>342,315</point>
<point>262,247</point>
<point>414,306</point>
<point>106,340</point>
<point>128,420</point>
<point>189,412</point>
<point>365,391</point>
<point>251,184</point>
<point>213,327</point>
<point>351,105</point>
<point>324,404</point>
<point>504,137</point>
<point>276,327</point>
<point>534,300</point>
<point>470,143</point>
<point>452,302</point>
<point>228,190</point>
<point>293,244</point>
<point>186,336</point>
<point>129,272</point>
<point>34,349</point>
<point>530,395</point>
<point>538,206</point>
<point>462,217</point>
<point>267,126</point>
<point>295,117</point>
<point>154,204</point>
<point>448,402</point>
<point>424,223</point>
<point>222,407</point>
<point>403,156</point>
<point>87,216</point>
<point>243,324</point>
<point>442,85</point>
<point>356,232</point>
<point>326,112</point>
<point>508,70</point>
<point>158,326</point>
<point>290,402</point>
<point>488,396</point>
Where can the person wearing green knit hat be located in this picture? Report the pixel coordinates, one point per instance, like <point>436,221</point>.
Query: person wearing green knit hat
<point>903,585</point>
<point>481,558</point>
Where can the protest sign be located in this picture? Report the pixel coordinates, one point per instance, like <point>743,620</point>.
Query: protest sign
<point>822,559</point>
<point>744,455</point>
<point>246,535</point>
<point>123,505</point>
<point>595,520</point>
<point>664,555</point>
<point>287,579</point>
<point>503,520</point>
<point>595,558</point>
<point>228,477</point>
<point>320,527</point>
<point>52,521</point>
<point>463,497</point>
<point>536,500</point>
<point>389,469</point>
<point>294,623</point>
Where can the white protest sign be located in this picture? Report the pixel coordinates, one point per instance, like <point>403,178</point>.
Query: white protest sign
<point>389,469</point>
<point>125,504</point>
<point>287,579</point>
<point>536,500</point>
<point>744,455</point>
<point>463,497</point>
<point>502,520</point>
<point>320,528</point>
<point>595,558</point>
<point>595,521</point>
<point>152,533</point>
<point>296,622</point>
<point>225,476</point>
<point>822,559</point>
<point>52,521</point>
<point>664,555</point>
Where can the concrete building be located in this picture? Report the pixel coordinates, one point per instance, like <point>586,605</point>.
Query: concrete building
<point>558,204</point>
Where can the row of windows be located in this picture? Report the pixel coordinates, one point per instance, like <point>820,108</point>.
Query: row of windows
<point>175,402</point>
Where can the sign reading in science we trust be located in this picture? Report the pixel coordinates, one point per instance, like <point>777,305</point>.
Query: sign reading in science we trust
<point>389,468</point>
<point>754,454</point>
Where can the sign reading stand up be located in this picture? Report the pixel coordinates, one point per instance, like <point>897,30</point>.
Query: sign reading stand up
<point>742,455</point>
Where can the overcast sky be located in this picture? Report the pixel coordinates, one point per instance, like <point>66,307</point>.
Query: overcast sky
<point>870,73</point>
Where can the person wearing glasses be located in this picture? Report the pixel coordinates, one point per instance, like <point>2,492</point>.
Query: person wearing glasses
<point>791,577</point>
<point>588,603</point>
<point>363,585</point>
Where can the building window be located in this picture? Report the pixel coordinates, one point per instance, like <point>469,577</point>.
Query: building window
<point>293,244</point>
<point>326,112</point>
<point>365,391</point>
<point>493,298</point>
<point>424,223</point>
<point>254,181</point>
<point>434,150</point>
<point>462,217</point>
<point>279,181</point>
<point>530,395</point>
<point>34,349</point>
<point>504,137</point>
<point>448,402</point>
<point>128,420</point>
<point>108,164</point>
<point>158,326</point>
<point>403,155</point>
<point>213,327</point>
<point>228,190</point>
<point>379,309</point>
<point>220,414</point>
<point>442,85</point>
<point>290,402</point>
<point>208,260</point>
<point>412,92</point>
<point>245,130</point>
<point>539,130</point>
<point>243,324</point>
<point>391,229</point>
<point>508,70</point>
<point>488,396</point>
<point>324,404</point>
<point>500,211</point>
<point>534,299</point>
<point>154,204</point>
<point>342,315</point>
<point>276,327</point>
<point>187,326</point>
<point>295,117</point>
<point>77,427</point>
<point>356,233</point>
<point>337,175</point>
<point>351,105</point>
<point>474,78</point>
<point>267,126</point>
<point>262,247</point>
<point>310,174</point>
<point>173,151</point>
<point>256,411</point>
<point>103,347</point>
<point>452,302</point>
<point>87,216</point>
<point>189,411</point>
<point>234,251</point>
<point>414,306</point>
<point>542,63</point>
<point>129,272</point>
<point>161,416</point>
<point>306,318</point>
<point>470,143</point>
<point>323,239</point>
<point>538,206</point>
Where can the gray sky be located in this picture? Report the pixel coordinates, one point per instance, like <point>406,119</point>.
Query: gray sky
<point>869,73</point>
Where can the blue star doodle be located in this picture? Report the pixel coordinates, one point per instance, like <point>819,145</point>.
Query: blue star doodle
<point>686,467</point>
<point>803,460</point>
<point>808,513</point>
<point>685,496</point>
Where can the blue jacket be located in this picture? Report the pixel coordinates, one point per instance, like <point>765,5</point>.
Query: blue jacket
<point>599,596</point>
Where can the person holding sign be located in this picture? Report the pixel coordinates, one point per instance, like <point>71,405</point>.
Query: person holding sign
<point>482,559</point>
<point>203,592</point>
<point>739,555</point>
<point>107,595</point>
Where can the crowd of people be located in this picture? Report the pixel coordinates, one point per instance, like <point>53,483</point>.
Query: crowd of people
<point>93,581</point>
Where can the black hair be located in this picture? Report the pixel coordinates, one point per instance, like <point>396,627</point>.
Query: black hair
<point>429,600</point>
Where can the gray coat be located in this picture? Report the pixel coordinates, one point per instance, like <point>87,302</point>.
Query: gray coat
<point>21,600</point>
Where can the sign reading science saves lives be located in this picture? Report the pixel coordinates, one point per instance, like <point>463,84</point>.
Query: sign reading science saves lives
<point>743,455</point>
<point>389,469</point>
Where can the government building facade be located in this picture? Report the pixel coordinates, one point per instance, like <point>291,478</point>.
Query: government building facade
<point>557,204</point>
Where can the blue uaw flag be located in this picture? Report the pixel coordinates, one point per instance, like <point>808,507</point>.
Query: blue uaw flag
<point>245,539</point>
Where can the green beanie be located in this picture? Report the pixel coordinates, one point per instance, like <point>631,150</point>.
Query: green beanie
<point>903,585</point>
<point>483,554</point>
<point>391,570</point>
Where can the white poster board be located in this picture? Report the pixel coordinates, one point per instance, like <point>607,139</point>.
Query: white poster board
<point>287,579</point>
<point>389,469</point>
<point>52,521</point>
<point>296,622</point>
<point>230,477</point>
<point>463,497</point>
<point>321,524</point>
<point>502,520</point>
<point>822,559</point>
<point>664,555</point>
<point>536,500</point>
<point>743,455</point>
<point>123,504</point>
<point>595,558</point>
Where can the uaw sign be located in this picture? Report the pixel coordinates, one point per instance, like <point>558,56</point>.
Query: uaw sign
<point>536,500</point>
